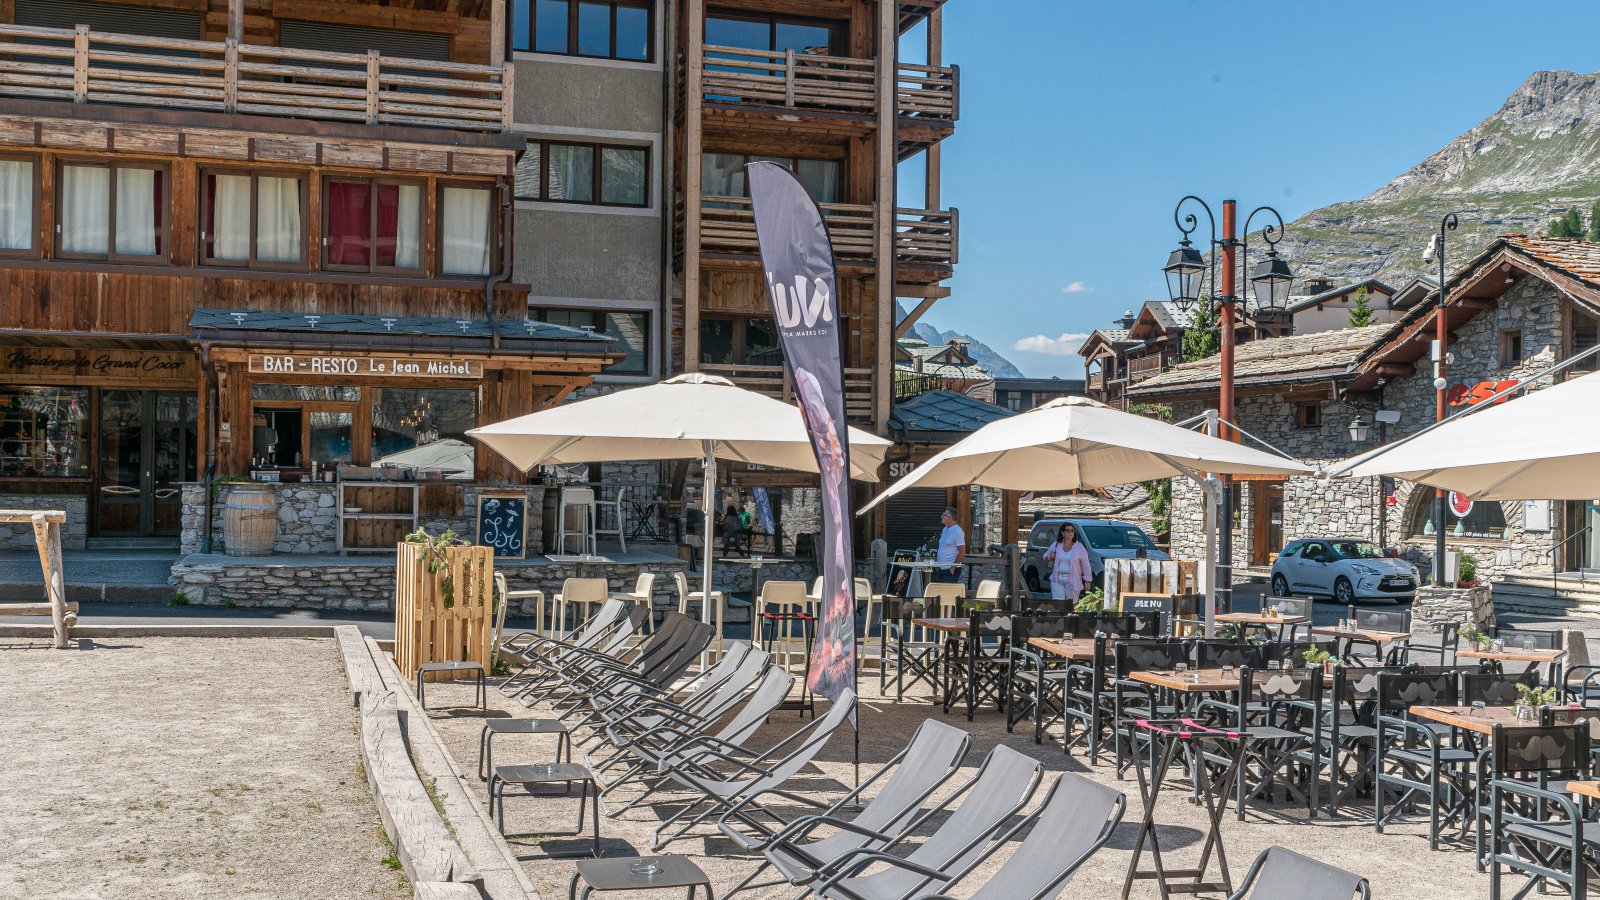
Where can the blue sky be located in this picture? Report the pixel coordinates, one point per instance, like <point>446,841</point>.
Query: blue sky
<point>1082,124</point>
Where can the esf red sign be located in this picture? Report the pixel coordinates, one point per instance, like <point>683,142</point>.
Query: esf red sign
<point>1473,394</point>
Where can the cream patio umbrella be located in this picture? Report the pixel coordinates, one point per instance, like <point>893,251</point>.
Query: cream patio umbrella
<point>1077,443</point>
<point>692,416</point>
<point>1542,446</point>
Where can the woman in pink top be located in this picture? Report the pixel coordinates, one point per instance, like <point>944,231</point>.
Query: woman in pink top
<point>1069,571</point>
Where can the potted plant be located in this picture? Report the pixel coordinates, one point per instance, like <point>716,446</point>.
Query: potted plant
<point>1092,601</point>
<point>1531,699</point>
<point>1318,656</point>
<point>1475,639</point>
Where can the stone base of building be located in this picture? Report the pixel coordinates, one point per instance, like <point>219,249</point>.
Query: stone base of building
<point>1436,606</point>
<point>315,581</point>
<point>19,536</point>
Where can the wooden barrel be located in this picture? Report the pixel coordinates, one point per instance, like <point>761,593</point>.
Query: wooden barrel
<point>250,519</point>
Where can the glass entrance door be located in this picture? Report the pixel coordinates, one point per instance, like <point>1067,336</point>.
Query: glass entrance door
<point>147,447</point>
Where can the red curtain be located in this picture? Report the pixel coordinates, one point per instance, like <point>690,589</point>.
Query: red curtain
<point>350,224</point>
<point>388,222</point>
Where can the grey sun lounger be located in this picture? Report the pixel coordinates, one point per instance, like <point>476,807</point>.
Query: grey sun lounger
<point>927,762</point>
<point>1004,784</point>
<point>1280,874</point>
<point>708,700</point>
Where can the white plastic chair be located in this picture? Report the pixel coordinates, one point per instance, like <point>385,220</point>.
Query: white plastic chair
<point>949,597</point>
<point>581,592</point>
<point>989,591</point>
<point>582,499</point>
<point>686,596</point>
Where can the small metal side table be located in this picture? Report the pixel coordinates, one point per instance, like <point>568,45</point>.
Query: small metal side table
<point>618,875</point>
<point>480,694</point>
<point>1170,739</point>
<point>493,727</point>
<point>558,773</point>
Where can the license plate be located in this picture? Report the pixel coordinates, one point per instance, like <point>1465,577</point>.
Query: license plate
<point>1397,582</point>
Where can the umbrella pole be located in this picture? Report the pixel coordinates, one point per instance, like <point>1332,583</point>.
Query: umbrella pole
<point>708,501</point>
<point>1211,557</point>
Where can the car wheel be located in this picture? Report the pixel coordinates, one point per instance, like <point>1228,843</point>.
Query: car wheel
<point>1280,586</point>
<point>1032,577</point>
<point>1343,593</point>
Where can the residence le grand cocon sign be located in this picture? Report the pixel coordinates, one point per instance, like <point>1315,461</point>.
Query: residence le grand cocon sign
<point>364,366</point>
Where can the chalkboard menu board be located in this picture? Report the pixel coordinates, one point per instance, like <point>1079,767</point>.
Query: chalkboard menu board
<point>503,524</point>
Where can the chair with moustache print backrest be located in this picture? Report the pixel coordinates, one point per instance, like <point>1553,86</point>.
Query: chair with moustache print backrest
<point>1413,757</point>
<point>1536,827</point>
<point>1228,654</point>
<point>1496,688</point>
<point>1274,707</point>
<point>1391,620</point>
<point>1344,747</point>
<point>977,671</point>
<point>1035,679</point>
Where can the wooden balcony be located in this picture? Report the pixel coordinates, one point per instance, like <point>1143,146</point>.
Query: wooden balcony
<point>1140,368</point>
<point>774,382</point>
<point>86,66</point>
<point>923,238</point>
<point>828,84</point>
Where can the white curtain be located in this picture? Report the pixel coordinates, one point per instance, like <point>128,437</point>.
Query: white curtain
<point>408,228</point>
<point>278,219</point>
<point>85,209</point>
<point>16,204</point>
<point>230,217</point>
<point>464,230</point>
<point>136,212</point>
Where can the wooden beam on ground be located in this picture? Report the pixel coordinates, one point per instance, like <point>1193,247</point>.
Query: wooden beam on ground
<point>912,317</point>
<point>359,668</point>
<point>34,609</point>
<point>444,890</point>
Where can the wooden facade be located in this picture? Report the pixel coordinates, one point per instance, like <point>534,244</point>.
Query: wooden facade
<point>95,346</point>
<point>852,104</point>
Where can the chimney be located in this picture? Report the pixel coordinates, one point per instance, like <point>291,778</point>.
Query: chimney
<point>1318,284</point>
<point>1127,320</point>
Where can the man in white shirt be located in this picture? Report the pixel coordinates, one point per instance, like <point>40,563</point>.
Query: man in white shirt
<point>952,546</point>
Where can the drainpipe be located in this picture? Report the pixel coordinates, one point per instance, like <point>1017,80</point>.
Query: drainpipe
<point>505,260</point>
<point>211,440</point>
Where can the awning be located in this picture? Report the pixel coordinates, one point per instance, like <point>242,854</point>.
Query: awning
<point>311,331</point>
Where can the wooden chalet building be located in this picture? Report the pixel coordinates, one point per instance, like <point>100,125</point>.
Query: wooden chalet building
<point>257,237</point>
<point>1147,344</point>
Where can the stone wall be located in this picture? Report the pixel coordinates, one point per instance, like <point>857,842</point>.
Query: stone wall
<point>308,521</point>
<point>19,535</point>
<point>1436,606</point>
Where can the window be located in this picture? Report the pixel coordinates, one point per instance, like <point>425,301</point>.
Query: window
<point>1357,550</point>
<point>608,30</point>
<point>722,175</point>
<point>44,432</point>
<point>745,341</point>
<point>19,205</point>
<point>1485,520</point>
<point>252,219</point>
<point>425,428</point>
<point>631,329</point>
<point>372,225</point>
<point>1117,537</point>
<point>295,425</point>
<point>1308,415</point>
<point>771,33</point>
<point>1510,348</point>
<point>584,173</point>
<point>1585,333</point>
<point>466,221</point>
<point>111,211</point>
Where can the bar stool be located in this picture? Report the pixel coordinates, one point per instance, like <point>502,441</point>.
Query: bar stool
<point>582,592</point>
<point>686,596</point>
<point>519,597</point>
<point>582,499</point>
<point>782,606</point>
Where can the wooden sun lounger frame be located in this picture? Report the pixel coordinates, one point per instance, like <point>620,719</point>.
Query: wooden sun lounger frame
<point>47,536</point>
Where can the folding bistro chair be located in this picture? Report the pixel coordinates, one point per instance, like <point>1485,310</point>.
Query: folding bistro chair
<point>1395,620</point>
<point>1134,700</point>
<point>1269,702</point>
<point>917,651</point>
<point>1414,758</point>
<point>1004,784</point>
<point>1294,606</point>
<point>932,757</point>
<point>1279,874</point>
<point>976,671</point>
<point>1345,747</point>
<point>1534,829</point>
<point>1449,638</point>
<point>1035,683</point>
<point>1495,688</point>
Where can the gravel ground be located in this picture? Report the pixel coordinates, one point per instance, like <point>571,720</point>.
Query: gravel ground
<point>185,768</point>
<point>1398,862</point>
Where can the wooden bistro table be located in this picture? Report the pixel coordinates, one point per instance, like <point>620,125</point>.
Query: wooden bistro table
<point>1259,619</point>
<point>1076,649</point>
<point>1480,721</point>
<point>1365,635</point>
<point>1518,654</point>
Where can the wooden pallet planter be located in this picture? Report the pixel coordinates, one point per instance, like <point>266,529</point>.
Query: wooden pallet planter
<point>439,622</point>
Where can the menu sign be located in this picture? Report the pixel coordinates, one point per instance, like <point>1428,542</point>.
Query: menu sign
<point>370,366</point>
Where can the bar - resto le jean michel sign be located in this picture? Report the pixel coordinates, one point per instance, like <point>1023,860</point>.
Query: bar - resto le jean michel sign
<point>364,366</point>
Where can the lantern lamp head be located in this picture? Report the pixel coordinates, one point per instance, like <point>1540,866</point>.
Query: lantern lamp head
<point>1185,270</point>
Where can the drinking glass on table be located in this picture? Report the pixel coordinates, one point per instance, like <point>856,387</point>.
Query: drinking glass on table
<point>1527,643</point>
<point>1477,707</point>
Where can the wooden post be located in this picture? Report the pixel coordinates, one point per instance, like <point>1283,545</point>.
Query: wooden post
<point>230,82</point>
<point>694,96</point>
<point>47,536</point>
<point>236,21</point>
<point>935,56</point>
<point>373,65</point>
<point>508,83</point>
<point>883,244</point>
<point>497,32</point>
<point>80,65</point>
<point>788,77</point>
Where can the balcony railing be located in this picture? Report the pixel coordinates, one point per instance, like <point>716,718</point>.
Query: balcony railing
<point>1140,368</point>
<point>774,382</point>
<point>788,80</point>
<point>225,76</point>
<point>922,237</point>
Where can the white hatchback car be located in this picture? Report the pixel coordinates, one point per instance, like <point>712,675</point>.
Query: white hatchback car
<point>1346,569</point>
